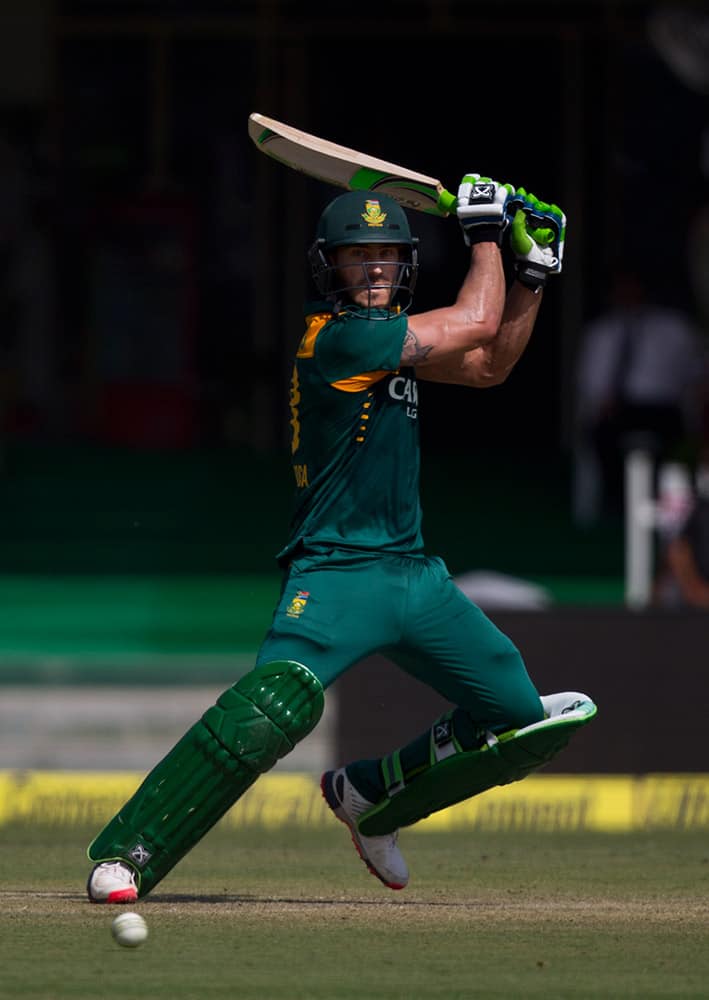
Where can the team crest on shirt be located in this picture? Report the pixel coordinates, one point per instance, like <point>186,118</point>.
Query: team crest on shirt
<point>373,214</point>
<point>297,605</point>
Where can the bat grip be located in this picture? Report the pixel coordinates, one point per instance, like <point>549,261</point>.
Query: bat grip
<point>447,202</point>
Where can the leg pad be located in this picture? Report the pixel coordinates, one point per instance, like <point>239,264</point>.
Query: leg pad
<point>252,725</point>
<point>502,760</point>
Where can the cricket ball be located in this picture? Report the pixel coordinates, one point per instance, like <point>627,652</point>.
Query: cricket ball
<point>129,929</point>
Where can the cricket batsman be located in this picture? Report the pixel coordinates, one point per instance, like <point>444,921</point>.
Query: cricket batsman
<point>356,578</point>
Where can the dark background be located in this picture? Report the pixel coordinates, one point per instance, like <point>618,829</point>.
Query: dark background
<point>146,343</point>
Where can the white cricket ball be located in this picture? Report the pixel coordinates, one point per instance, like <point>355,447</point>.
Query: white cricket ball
<point>129,929</point>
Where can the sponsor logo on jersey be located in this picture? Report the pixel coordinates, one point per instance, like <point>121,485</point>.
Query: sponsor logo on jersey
<point>297,605</point>
<point>406,390</point>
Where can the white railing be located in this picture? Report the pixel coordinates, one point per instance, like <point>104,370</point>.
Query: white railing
<point>653,511</point>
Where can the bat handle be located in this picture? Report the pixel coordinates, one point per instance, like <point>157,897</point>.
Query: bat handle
<point>447,202</point>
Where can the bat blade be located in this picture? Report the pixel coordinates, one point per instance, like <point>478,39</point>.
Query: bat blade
<point>347,168</point>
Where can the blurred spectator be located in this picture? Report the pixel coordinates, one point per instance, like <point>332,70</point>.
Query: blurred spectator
<point>683,577</point>
<point>637,387</point>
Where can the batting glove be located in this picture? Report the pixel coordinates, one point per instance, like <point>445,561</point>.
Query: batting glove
<point>537,235</point>
<point>481,209</point>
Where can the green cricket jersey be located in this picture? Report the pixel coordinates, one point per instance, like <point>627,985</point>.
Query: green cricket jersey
<point>354,437</point>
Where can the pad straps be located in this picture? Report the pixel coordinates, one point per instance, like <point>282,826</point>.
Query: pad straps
<point>442,744</point>
<point>443,741</point>
<point>393,774</point>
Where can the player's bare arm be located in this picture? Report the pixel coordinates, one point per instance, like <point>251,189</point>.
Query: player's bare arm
<point>536,232</point>
<point>439,335</point>
<point>490,364</point>
<point>413,352</point>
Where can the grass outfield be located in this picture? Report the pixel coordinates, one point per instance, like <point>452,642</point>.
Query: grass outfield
<point>292,913</point>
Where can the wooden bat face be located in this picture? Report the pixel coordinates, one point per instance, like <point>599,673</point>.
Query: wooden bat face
<point>347,168</point>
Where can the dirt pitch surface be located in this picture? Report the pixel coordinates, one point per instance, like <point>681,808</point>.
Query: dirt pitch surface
<point>597,911</point>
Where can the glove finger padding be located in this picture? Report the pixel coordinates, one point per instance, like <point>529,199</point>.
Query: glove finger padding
<point>537,234</point>
<point>481,209</point>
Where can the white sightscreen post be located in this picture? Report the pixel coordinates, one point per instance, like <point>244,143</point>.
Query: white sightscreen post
<point>639,525</point>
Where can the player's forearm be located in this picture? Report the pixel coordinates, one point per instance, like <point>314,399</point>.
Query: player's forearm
<point>486,207</point>
<point>474,318</point>
<point>495,360</point>
<point>481,299</point>
<point>490,363</point>
<point>440,336</point>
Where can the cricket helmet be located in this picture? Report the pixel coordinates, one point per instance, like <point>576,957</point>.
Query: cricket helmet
<point>365,217</point>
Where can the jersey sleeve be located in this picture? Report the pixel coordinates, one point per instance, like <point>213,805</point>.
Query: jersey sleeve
<point>352,345</point>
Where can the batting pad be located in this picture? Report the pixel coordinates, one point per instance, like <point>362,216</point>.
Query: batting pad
<point>505,758</point>
<point>252,725</point>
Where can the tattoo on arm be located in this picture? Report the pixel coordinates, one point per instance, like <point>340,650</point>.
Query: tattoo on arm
<point>412,352</point>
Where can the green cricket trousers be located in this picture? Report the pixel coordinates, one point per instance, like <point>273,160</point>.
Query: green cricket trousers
<point>336,608</point>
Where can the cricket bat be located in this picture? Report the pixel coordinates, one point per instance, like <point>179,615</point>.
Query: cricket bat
<point>343,167</point>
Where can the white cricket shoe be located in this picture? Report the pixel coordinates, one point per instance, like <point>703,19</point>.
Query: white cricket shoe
<point>112,882</point>
<point>380,854</point>
<point>572,704</point>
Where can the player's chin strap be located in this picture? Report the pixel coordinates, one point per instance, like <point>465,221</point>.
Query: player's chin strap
<point>455,774</point>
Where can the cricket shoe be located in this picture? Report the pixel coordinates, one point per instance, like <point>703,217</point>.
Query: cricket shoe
<point>571,704</point>
<point>112,882</point>
<point>380,854</point>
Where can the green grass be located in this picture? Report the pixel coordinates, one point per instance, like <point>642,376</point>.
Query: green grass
<point>261,915</point>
